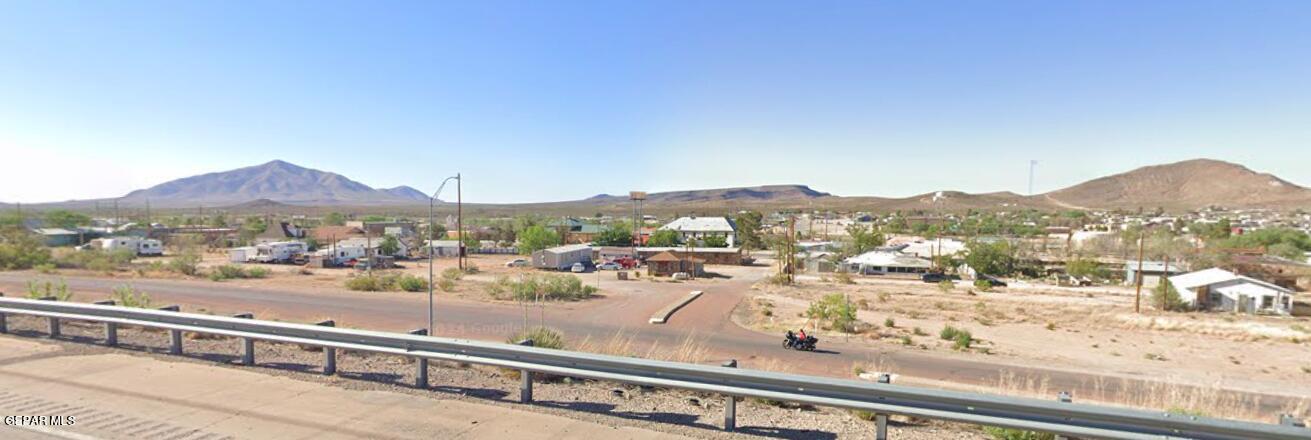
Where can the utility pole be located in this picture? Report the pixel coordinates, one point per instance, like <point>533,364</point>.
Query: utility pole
<point>459,216</point>
<point>1138,294</point>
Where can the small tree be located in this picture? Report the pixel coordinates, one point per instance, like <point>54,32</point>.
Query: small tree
<point>835,311</point>
<point>863,239</point>
<point>615,235</point>
<point>334,219</point>
<point>748,230</point>
<point>991,258</point>
<point>63,218</point>
<point>536,238</point>
<point>389,245</point>
<point>715,241</point>
<point>1165,297</point>
<point>663,238</point>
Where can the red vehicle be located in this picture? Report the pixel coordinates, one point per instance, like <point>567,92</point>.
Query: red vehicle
<point>626,262</point>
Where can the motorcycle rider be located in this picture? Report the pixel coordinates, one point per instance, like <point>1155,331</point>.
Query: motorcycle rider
<point>801,334</point>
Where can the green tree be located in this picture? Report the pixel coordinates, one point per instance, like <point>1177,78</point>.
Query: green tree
<point>663,238</point>
<point>615,235</point>
<point>471,241</point>
<point>334,219</point>
<point>389,245</point>
<point>863,239</point>
<point>374,218</point>
<point>1084,267</point>
<point>536,238</point>
<point>715,241</point>
<point>748,230</point>
<point>20,249</point>
<point>63,218</point>
<point>1165,297</point>
<point>835,312</point>
<point>997,258</point>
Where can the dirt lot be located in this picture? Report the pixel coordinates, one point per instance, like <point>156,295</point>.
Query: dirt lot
<point>1090,329</point>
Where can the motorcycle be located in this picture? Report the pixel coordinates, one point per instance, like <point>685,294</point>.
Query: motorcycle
<point>796,343</point>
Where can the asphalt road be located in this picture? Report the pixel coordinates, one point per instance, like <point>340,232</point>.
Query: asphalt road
<point>707,320</point>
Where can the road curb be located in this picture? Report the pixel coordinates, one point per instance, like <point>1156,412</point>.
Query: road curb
<point>663,315</point>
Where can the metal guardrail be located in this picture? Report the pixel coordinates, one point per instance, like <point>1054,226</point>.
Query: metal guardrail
<point>1057,417</point>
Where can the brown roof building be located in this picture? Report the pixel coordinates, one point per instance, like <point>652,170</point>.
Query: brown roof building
<point>666,264</point>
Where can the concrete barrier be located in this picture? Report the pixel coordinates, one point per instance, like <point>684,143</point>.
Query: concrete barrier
<point>663,315</point>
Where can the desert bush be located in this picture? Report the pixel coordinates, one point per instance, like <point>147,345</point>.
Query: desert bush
<point>549,287</point>
<point>20,249</point>
<point>961,339</point>
<point>445,284</point>
<point>411,283</point>
<point>778,279</point>
<point>127,296</point>
<point>185,264</point>
<point>257,272</point>
<point>843,277</point>
<point>59,290</point>
<point>373,283</point>
<point>983,285</point>
<point>96,259</point>
<point>542,337</point>
<point>45,268</point>
<point>889,323</point>
<point>946,286</point>
<point>452,273</point>
<point>836,312</point>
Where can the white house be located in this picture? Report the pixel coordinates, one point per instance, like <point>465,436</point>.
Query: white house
<point>443,248</point>
<point>697,228</point>
<point>881,262</point>
<point>374,245</point>
<point>927,248</point>
<point>1219,289</point>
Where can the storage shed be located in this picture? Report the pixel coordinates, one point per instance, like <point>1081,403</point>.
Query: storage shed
<point>562,257</point>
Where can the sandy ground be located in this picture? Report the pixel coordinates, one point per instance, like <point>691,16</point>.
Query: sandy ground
<point>1093,330</point>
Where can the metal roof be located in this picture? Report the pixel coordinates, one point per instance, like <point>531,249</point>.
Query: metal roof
<point>701,224</point>
<point>1213,276</point>
<point>890,259</point>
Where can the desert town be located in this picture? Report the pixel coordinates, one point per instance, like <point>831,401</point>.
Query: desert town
<point>1177,300</point>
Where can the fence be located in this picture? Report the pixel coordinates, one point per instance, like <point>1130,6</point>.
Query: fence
<point>1060,417</point>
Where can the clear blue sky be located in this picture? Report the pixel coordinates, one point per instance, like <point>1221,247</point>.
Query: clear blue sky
<point>538,101</point>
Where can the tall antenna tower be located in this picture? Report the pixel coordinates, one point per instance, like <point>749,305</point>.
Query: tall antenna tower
<point>1032,164</point>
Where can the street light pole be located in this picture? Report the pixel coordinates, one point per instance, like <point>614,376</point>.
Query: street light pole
<point>432,201</point>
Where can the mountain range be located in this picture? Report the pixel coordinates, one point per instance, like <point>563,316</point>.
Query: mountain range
<point>1182,185</point>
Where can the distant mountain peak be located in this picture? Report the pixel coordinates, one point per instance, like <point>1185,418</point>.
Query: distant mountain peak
<point>276,181</point>
<point>1189,183</point>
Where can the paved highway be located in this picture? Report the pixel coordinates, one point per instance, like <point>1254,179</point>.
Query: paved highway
<point>706,319</point>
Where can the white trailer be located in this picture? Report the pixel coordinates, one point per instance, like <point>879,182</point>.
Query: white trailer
<point>138,245</point>
<point>339,255</point>
<point>277,252</point>
<point>241,254</point>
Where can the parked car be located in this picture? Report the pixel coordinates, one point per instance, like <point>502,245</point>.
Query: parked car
<point>578,268</point>
<point>934,277</point>
<point>609,265</point>
<point>991,280</point>
<point>517,262</point>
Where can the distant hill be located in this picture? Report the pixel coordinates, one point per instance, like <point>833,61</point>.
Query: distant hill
<point>1188,184</point>
<point>279,186</point>
<point>755,193</point>
<point>407,193</point>
<point>276,181</point>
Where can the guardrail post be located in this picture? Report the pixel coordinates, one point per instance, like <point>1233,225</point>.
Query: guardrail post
<point>420,364</point>
<point>174,336</point>
<point>881,420</point>
<point>1064,397</point>
<point>730,404</point>
<point>54,322</point>
<point>4,326</point>
<point>526,379</point>
<point>329,353</point>
<point>111,328</point>
<point>1290,420</point>
<point>247,344</point>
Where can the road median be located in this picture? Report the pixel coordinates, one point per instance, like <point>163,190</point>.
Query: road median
<point>664,314</point>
